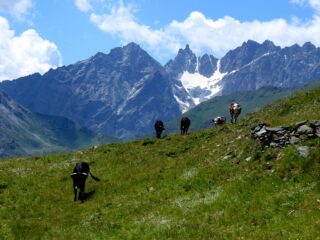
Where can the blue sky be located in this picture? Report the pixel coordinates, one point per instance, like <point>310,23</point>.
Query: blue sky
<point>36,35</point>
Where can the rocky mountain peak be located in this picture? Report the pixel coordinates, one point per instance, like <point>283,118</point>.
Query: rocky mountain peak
<point>245,54</point>
<point>308,46</point>
<point>268,44</point>
<point>186,51</point>
<point>185,60</point>
<point>132,55</point>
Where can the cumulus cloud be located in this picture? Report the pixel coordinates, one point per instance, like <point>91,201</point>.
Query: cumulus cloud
<point>16,8</point>
<point>226,33</point>
<point>25,54</point>
<point>83,5</point>
<point>204,34</point>
<point>315,4</point>
<point>122,23</point>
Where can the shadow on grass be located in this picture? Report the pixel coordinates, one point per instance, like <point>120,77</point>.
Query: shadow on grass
<point>88,195</point>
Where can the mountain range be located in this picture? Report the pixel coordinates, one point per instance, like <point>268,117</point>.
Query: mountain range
<point>123,92</point>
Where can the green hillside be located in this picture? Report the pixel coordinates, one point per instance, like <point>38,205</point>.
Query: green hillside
<point>36,134</point>
<point>252,101</point>
<point>24,133</point>
<point>212,184</point>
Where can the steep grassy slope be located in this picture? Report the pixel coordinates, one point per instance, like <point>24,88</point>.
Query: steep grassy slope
<point>211,184</point>
<point>25,133</point>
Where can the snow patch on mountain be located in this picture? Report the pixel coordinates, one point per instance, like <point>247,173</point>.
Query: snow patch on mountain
<point>201,88</point>
<point>184,106</point>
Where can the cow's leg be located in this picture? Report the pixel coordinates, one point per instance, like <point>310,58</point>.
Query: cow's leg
<point>81,191</point>
<point>74,188</point>
<point>81,194</point>
<point>75,193</point>
<point>231,120</point>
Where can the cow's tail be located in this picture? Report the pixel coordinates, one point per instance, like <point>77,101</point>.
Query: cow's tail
<point>95,178</point>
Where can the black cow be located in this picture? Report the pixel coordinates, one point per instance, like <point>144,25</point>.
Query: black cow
<point>79,177</point>
<point>184,125</point>
<point>159,127</point>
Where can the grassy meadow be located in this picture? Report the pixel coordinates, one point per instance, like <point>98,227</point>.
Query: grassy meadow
<point>216,183</point>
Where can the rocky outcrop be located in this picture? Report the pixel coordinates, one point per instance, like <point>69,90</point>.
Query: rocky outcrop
<point>289,135</point>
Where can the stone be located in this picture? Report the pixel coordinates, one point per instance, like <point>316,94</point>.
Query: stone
<point>298,124</point>
<point>257,129</point>
<point>314,124</point>
<point>273,144</point>
<point>304,129</point>
<point>303,151</point>
<point>261,132</point>
<point>278,129</point>
<point>294,140</point>
<point>282,136</point>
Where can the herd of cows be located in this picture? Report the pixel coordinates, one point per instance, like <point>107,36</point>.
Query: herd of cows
<point>81,170</point>
<point>234,110</point>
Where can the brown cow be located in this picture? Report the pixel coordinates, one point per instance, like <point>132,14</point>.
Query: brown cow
<point>235,111</point>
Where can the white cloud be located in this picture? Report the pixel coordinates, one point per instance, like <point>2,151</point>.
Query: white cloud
<point>16,8</point>
<point>25,54</point>
<point>226,33</point>
<point>315,4</point>
<point>122,23</point>
<point>83,5</point>
<point>215,36</point>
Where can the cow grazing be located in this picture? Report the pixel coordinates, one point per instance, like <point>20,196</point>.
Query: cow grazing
<point>235,111</point>
<point>79,177</point>
<point>159,127</point>
<point>219,120</point>
<point>184,125</point>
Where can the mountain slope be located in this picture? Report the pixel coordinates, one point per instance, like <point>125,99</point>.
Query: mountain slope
<point>211,184</point>
<point>95,92</point>
<point>25,133</point>
<point>288,67</point>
